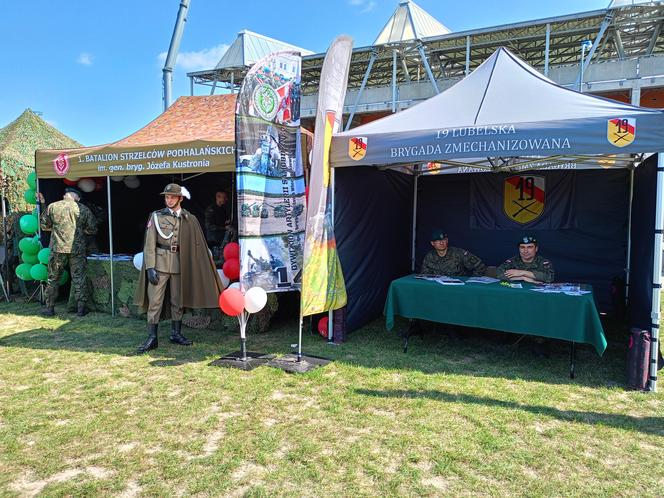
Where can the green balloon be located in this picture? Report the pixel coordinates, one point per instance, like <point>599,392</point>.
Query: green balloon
<point>32,180</point>
<point>39,272</point>
<point>43,255</point>
<point>64,277</point>
<point>35,212</point>
<point>30,196</point>
<point>23,271</point>
<point>31,259</point>
<point>28,224</point>
<point>29,245</point>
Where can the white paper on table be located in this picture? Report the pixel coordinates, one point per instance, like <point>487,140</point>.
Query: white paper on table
<point>482,280</point>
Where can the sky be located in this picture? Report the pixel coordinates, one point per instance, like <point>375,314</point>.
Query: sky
<point>93,67</point>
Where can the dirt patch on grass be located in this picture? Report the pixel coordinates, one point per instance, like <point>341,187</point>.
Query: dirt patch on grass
<point>437,482</point>
<point>132,489</point>
<point>29,485</point>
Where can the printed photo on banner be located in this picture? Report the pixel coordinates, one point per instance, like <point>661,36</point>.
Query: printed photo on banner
<point>271,262</point>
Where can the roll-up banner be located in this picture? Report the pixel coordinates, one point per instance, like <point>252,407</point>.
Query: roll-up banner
<point>270,174</point>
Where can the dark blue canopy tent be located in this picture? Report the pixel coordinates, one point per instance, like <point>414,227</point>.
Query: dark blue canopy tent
<point>411,173</point>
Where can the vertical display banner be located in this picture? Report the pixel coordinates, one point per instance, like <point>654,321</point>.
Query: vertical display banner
<point>323,285</point>
<point>270,174</point>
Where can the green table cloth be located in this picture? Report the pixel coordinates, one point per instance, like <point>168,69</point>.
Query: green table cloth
<point>497,307</point>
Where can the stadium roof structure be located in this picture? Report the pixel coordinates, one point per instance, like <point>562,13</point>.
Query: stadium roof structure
<point>625,29</point>
<point>621,32</point>
<point>410,22</point>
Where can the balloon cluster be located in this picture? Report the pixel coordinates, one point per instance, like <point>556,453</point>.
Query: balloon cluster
<point>34,258</point>
<point>234,303</point>
<point>231,268</point>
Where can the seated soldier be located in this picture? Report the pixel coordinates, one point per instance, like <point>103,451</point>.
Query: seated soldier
<point>527,265</point>
<point>450,261</point>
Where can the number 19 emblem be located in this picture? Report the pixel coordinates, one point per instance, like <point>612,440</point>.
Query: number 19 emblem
<point>621,131</point>
<point>523,198</point>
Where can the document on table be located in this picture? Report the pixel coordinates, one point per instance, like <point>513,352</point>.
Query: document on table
<point>441,279</point>
<point>449,281</point>
<point>563,288</point>
<point>482,280</point>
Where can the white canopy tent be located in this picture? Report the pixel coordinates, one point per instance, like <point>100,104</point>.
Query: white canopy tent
<point>506,116</point>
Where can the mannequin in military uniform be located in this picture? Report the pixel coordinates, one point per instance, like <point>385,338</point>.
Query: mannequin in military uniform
<point>177,264</point>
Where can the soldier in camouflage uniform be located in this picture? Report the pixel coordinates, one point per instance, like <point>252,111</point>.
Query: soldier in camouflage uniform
<point>69,222</point>
<point>527,265</point>
<point>450,261</point>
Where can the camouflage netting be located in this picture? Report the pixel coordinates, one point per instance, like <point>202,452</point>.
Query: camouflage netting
<point>125,278</point>
<point>18,142</point>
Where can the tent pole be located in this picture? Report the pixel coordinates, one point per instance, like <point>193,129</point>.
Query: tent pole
<point>394,81</point>
<point>330,312</point>
<point>412,236</point>
<point>110,241</point>
<point>299,336</point>
<point>656,274</point>
<point>629,234</point>
<point>372,59</point>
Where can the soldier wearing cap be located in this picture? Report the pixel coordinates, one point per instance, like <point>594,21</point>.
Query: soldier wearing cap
<point>69,222</point>
<point>450,261</point>
<point>177,268</point>
<point>527,265</point>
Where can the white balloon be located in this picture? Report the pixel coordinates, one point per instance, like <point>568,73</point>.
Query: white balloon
<point>235,285</point>
<point>224,279</point>
<point>117,178</point>
<point>138,261</point>
<point>132,181</point>
<point>87,184</point>
<point>255,299</point>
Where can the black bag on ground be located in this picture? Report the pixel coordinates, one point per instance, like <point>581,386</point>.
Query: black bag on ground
<point>638,359</point>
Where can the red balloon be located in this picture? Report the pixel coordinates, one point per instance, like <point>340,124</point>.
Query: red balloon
<point>232,268</point>
<point>231,302</point>
<point>232,251</point>
<point>322,326</point>
<point>99,183</point>
<point>71,183</point>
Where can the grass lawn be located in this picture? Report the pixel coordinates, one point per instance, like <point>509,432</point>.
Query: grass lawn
<point>476,415</point>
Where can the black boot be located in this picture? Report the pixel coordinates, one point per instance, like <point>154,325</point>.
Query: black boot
<point>82,310</point>
<point>176,335</point>
<point>48,311</point>
<point>151,342</point>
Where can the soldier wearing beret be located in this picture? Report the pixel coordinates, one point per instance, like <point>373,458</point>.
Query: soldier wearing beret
<point>178,271</point>
<point>527,265</point>
<point>69,222</point>
<point>450,261</point>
